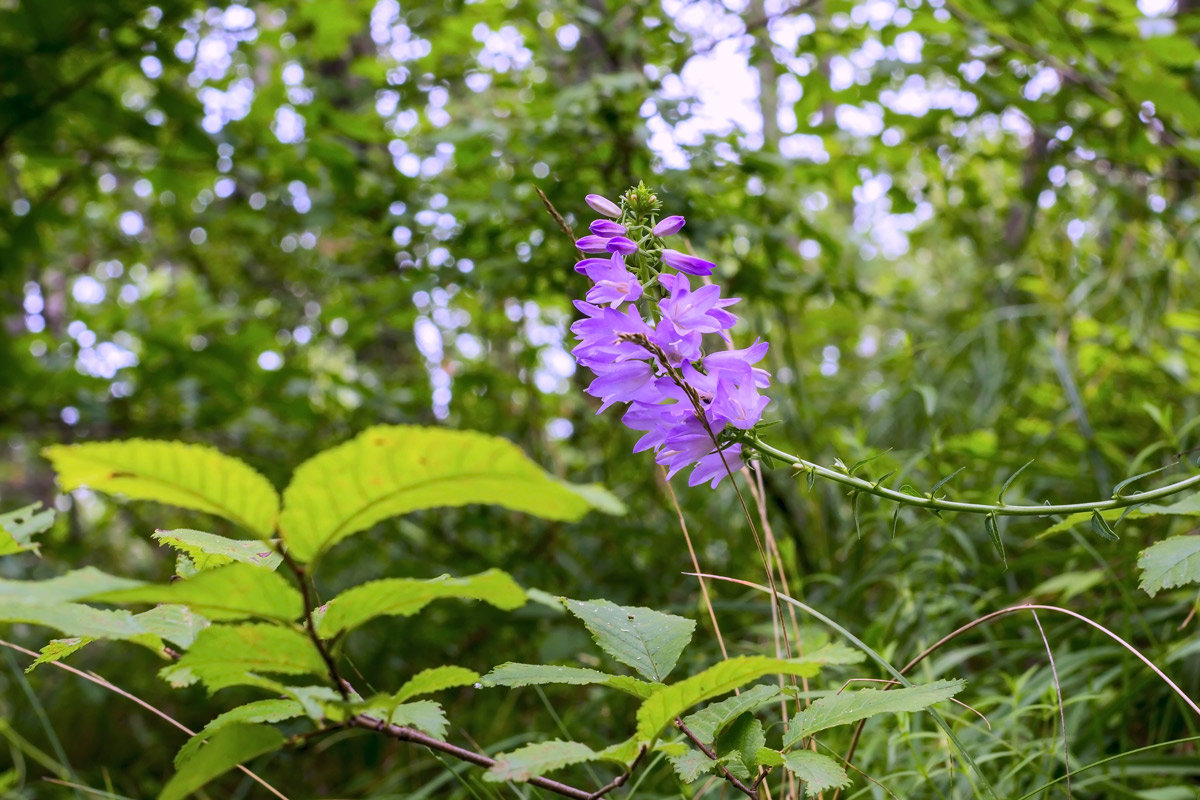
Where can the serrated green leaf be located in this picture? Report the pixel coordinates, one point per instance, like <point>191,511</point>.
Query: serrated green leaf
<point>537,759</point>
<point>207,550</point>
<point>274,710</point>
<point>819,772</point>
<point>391,470</point>
<point>847,707</point>
<point>174,624</point>
<point>72,619</point>
<point>435,679</point>
<point>234,591</point>
<point>58,649</point>
<point>177,624</point>
<point>234,745</point>
<point>514,675</point>
<point>658,710</point>
<point>1170,563</point>
<point>708,722</point>
<point>75,585</point>
<point>649,641</point>
<point>223,654</point>
<point>768,757</point>
<point>742,740</point>
<point>691,765</point>
<point>17,528</point>
<point>186,475</point>
<point>424,715</point>
<point>402,597</point>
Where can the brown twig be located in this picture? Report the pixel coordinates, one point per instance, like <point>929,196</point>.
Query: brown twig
<point>406,734</point>
<point>562,223</point>
<point>306,592</point>
<point>734,781</point>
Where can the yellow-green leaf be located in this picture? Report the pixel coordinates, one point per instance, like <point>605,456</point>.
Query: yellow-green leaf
<point>207,550</point>
<point>17,528</point>
<point>402,597</point>
<point>222,655</point>
<point>658,710</point>
<point>234,591</point>
<point>186,475</point>
<point>391,470</point>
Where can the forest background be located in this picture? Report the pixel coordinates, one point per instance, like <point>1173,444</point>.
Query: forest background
<point>968,230</point>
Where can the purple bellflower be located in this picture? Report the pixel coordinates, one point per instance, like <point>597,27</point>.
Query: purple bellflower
<point>687,404</point>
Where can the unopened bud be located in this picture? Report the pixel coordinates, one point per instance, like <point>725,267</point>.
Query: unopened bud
<point>602,205</point>
<point>669,225</point>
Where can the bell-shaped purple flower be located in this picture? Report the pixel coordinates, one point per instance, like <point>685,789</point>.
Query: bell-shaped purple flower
<point>692,265</point>
<point>614,283</point>
<point>623,383</point>
<point>740,405</point>
<point>712,467</point>
<point>668,225</point>
<point>602,205</point>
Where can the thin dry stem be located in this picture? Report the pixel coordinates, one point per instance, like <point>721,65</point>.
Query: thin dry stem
<point>712,614</point>
<point>1062,712</point>
<point>104,683</point>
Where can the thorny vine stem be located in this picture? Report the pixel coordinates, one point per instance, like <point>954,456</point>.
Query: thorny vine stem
<point>940,504</point>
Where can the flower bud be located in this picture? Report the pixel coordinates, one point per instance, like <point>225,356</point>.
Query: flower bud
<point>607,228</point>
<point>622,244</point>
<point>592,244</point>
<point>685,263</point>
<point>602,205</point>
<point>668,226</point>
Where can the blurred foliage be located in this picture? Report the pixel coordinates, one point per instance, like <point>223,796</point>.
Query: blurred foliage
<point>967,229</point>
